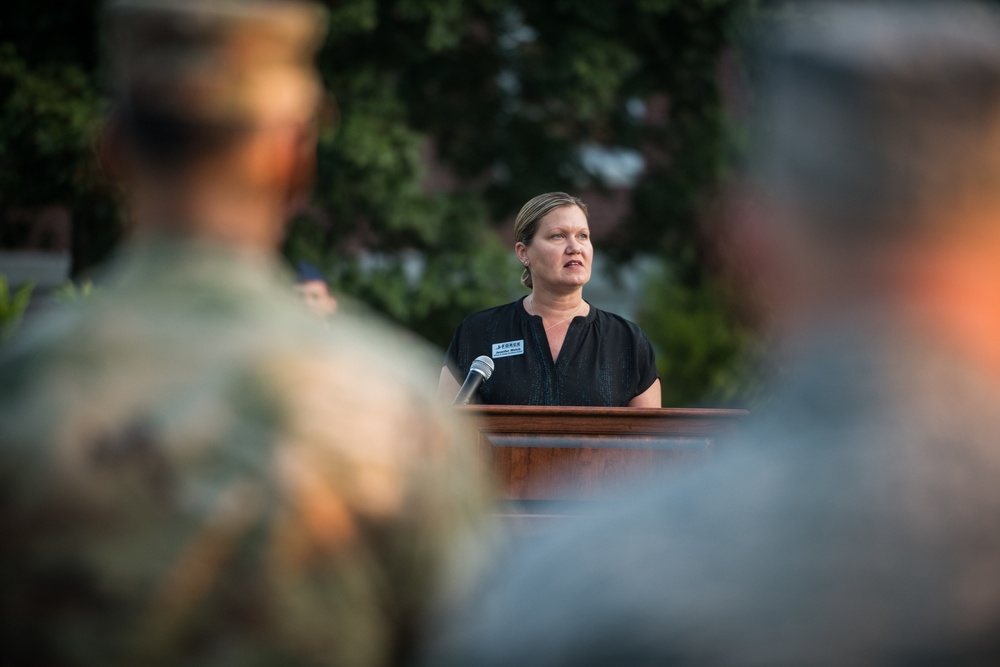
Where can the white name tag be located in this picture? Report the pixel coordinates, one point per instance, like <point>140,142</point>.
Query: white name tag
<point>511,348</point>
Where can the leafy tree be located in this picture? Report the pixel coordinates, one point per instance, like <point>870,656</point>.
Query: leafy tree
<point>50,108</point>
<point>450,115</point>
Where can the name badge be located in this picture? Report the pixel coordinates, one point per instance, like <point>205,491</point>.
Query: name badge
<point>511,348</point>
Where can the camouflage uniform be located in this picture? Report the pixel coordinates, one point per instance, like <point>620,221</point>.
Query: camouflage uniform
<point>853,524</point>
<point>855,520</point>
<point>193,470</point>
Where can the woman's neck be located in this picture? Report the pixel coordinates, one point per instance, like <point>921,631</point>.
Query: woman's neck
<point>555,306</point>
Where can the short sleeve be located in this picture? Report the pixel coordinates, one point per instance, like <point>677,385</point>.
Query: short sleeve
<point>648,373</point>
<point>454,359</point>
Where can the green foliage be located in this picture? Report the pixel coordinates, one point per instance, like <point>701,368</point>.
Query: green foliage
<point>50,112</point>
<point>503,93</point>
<point>71,292</point>
<point>47,125</point>
<point>704,356</point>
<point>12,306</point>
<point>499,95</point>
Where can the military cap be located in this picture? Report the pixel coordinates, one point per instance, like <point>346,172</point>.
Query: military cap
<point>216,60</point>
<point>306,272</point>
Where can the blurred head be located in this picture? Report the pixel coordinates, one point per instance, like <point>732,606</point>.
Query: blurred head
<point>312,288</point>
<point>876,142</point>
<point>317,297</point>
<point>530,219</point>
<point>214,93</point>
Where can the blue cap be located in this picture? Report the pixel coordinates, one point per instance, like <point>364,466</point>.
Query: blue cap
<point>306,272</point>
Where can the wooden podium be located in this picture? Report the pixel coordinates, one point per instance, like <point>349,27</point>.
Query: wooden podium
<point>558,461</point>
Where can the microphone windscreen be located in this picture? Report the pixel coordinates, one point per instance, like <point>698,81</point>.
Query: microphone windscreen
<point>484,365</point>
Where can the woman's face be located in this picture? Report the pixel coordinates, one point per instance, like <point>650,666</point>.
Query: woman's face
<point>560,252</point>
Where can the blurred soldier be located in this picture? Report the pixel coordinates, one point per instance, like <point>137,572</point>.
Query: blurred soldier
<point>859,523</point>
<point>314,291</point>
<point>192,471</point>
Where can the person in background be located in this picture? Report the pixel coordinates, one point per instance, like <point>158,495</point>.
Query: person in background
<point>191,471</point>
<point>856,522</point>
<point>552,347</point>
<point>313,289</point>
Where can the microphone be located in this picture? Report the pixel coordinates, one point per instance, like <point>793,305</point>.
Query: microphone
<point>479,372</point>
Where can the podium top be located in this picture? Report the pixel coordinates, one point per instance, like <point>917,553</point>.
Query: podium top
<point>575,410</point>
<point>601,420</point>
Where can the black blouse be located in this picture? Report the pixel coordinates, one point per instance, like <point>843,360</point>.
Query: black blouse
<point>605,360</point>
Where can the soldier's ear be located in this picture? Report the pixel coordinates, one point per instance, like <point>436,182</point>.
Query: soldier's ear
<point>302,165</point>
<point>282,159</point>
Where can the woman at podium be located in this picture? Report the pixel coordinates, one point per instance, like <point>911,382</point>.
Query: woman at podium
<point>552,347</point>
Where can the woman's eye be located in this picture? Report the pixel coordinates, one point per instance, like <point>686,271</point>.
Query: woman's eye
<point>557,236</point>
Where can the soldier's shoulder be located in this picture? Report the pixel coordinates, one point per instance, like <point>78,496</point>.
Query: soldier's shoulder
<point>41,337</point>
<point>364,353</point>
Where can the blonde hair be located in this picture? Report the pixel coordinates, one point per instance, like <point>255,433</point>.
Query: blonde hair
<point>526,223</point>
